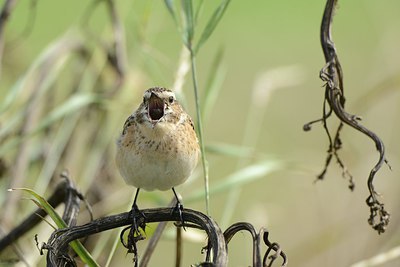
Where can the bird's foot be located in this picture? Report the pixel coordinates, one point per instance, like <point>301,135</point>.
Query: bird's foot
<point>135,234</point>
<point>179,209</point>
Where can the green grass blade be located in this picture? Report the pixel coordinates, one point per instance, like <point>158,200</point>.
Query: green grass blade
<point>171,9</point>
<point>73,104</point>
<point>55,55</point>
<point>11,96</point>
<point>200,130</point>
<point>231,150</point>
<point>199,10</point>
<point>240,178</point>
<point>212,24</point>
<point>76,245</point>
<point>188,29</point>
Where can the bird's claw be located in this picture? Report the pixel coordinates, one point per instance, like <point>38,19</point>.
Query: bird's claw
<point>179,209</point>
<point>134,234</point>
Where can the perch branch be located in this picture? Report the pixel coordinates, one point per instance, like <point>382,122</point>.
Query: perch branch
<point>60,240</point>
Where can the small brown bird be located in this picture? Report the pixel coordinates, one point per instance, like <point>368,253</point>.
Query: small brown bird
<point>158,147</point>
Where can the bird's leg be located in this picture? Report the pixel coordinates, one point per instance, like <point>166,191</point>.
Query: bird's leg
<point>135,210</point>
<point>134,234</point>
<point>179,208</point>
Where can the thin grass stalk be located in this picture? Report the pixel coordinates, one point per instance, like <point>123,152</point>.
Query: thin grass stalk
<point>200,130</point>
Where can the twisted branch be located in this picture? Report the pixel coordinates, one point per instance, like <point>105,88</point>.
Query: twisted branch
<point>332,75</point>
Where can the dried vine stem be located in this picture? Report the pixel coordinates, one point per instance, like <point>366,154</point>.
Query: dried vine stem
<point>263,234</point>
<point>216,255</point>
<point>217,242</point>
<point>60,240</point>
<point>332,74</point>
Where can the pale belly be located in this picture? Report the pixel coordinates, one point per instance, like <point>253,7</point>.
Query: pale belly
<point>151,170</point>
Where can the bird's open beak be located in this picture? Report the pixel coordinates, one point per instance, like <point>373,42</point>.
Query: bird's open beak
<point>156,107</point>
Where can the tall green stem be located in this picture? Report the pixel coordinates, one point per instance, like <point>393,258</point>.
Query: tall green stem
<point>200,128</point>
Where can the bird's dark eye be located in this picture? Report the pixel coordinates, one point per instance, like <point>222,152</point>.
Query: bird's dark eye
<point>171,99</point>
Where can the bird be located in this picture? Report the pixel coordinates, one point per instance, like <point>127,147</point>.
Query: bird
<point>158,148</point>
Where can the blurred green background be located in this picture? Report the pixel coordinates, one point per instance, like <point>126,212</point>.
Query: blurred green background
<point>63,109</point>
